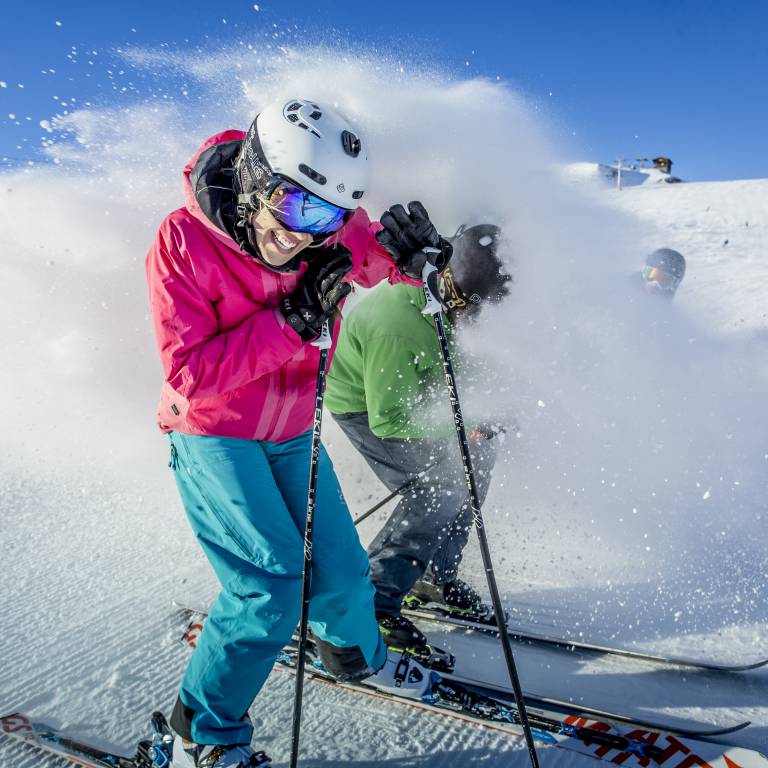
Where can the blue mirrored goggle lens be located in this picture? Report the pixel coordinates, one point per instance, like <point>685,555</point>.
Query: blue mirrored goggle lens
<point>300,211</point>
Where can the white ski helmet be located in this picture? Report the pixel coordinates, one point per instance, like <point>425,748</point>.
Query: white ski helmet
<point>309,144</point>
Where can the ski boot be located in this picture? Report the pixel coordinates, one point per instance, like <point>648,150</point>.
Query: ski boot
<point>157,752</point>
<point>402,635</point>
<point>456,599</point>
<point>187,754</point>
<point>168,751</point>
<point>403,676</point>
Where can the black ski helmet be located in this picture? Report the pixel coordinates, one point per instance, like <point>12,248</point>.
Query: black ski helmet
<point>475,273</point>
<point>664,271</point>
<point>667,260</point>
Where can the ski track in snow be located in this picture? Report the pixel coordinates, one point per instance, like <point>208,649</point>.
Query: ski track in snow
<point>91,643</point>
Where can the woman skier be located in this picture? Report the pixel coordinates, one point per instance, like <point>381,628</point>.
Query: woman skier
<point>241,280</point>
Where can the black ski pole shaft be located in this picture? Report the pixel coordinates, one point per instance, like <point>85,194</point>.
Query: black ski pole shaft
<point>404,487</point>
<point>407,484</point>
<point>434,308</point>
<point>379,504</point>
<point>323,343</point>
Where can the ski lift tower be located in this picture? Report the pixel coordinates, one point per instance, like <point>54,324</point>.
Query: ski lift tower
<point>619,163</point>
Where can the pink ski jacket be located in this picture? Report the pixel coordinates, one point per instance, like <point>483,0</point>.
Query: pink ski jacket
<point>232,366</point>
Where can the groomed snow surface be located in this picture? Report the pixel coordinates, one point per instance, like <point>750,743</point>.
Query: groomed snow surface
<point>628,509</point>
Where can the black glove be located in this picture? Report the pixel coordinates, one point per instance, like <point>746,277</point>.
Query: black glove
<point>406,234</point>
<point>318,293</point>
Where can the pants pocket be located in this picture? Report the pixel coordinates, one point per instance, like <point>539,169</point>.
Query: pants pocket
<point>192,475</point>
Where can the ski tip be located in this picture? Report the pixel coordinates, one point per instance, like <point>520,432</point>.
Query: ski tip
<point>719,731</point>
<point>16,723</point>
<point>746,667</point>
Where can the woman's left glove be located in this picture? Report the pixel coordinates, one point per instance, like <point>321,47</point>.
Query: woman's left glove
<point>318,293</point>
<point>405,235</point>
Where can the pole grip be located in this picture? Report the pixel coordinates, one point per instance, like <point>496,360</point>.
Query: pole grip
<point>431,279</point>
<point>324,340</point>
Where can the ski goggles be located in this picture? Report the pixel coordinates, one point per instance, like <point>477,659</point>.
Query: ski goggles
<point>298,210</point>
<point>663,279</point>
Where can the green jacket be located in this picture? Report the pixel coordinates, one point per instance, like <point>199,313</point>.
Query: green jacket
<point>387,364</point>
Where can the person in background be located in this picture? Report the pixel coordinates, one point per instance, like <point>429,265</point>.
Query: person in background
<point>663,272</point>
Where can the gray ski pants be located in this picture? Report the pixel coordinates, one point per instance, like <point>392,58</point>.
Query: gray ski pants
<point>428,529</point>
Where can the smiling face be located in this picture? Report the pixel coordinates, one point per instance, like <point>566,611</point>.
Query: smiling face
<point>276,244</point>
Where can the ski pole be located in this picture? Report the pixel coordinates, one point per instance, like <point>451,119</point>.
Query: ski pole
<point>323,343</point>
<point>404,487</point>
<point>410,482</point>
<point>434,308</point>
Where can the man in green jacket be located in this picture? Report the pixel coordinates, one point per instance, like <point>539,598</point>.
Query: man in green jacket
<point>386,391</point>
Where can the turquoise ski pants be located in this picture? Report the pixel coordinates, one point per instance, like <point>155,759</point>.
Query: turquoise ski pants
<point>246,501</point>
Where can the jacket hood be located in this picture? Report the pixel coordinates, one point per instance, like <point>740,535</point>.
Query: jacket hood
<point>208,193</point>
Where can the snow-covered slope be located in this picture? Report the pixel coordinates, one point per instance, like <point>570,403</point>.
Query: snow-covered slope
<point>629,508</point>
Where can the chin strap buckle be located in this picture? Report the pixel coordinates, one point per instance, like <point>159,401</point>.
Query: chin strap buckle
<point>244,210</point>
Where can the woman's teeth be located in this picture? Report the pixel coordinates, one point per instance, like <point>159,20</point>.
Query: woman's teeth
<point>283,242</point>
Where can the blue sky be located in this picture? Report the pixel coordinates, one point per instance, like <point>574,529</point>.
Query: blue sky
<point>685,78</point>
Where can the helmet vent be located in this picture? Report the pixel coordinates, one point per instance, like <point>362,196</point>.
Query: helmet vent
<point>351,143</point>
<point>307,128</point>
<point>316,115</point>
<point>294,106</point>
<point>293,118</point>
<point>318,178</point>
<point>357,194</point>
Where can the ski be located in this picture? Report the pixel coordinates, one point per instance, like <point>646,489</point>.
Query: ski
<point>47,738</point>
<point>196,619</point>
<point>603,738</point>
<point>156,752</point>
<point>488,625</point>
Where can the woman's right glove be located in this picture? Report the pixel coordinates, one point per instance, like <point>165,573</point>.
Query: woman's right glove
<point>318,293</point>
<point>405,235</point>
